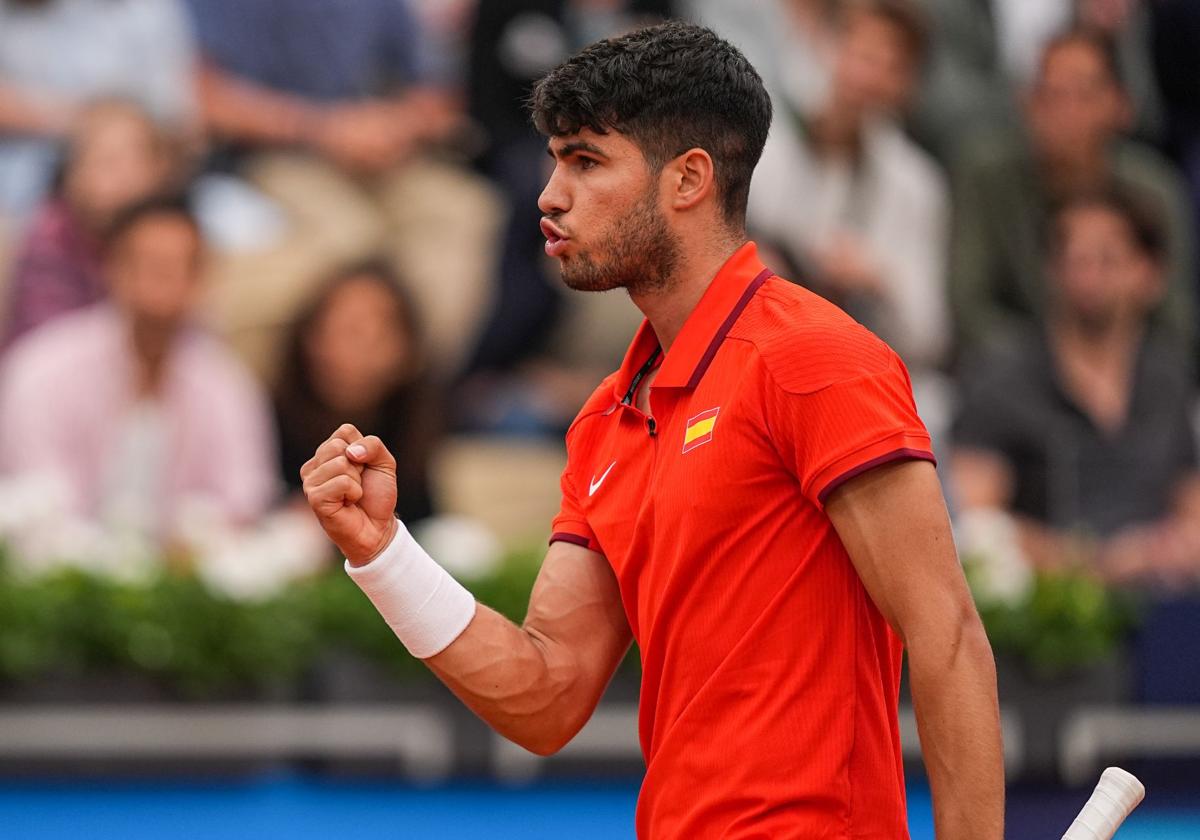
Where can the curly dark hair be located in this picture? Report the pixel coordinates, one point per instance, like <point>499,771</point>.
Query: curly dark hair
<point>1141,214</point>
<point>669,88</point>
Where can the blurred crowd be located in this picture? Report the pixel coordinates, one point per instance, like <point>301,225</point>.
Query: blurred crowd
<point>227,227</point>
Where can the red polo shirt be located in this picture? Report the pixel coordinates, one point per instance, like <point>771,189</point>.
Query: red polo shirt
<point>770,680</point>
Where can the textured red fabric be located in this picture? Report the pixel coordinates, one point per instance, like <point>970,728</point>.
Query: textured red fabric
<point>770,679</point>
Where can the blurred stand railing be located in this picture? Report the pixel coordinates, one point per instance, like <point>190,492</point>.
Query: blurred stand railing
<point>418,738</point>
<point>1092,736</point>
<point>424,741</point>
<point>612,734</point>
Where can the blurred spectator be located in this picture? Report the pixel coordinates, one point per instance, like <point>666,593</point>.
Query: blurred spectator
<point>354,356</point>
<point>1075,117</point>
<point>792,43</point>
<point>513,45</point>
<point>984,51</point>
<point>139,414</point>
<point>57,55</point>
<point>857,206</point>
<point>328,108</point>
<point>115,157</point>
<point>1080,431</point>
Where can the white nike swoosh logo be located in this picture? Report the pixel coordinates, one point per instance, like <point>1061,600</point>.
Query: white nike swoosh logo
<point>595,483</point>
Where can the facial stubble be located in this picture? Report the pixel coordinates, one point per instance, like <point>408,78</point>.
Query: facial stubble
<point>640,255</point>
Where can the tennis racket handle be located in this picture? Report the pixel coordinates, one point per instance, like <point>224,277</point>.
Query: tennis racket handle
<point>1115,796</point>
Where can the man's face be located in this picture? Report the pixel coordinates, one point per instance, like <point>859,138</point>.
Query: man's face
<point>874,69</point>
<point>1076,107</point>
<point>603,216</point>
<point>1101,276</point>
<point>154,271</point>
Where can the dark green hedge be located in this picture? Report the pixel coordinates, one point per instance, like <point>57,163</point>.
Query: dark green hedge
<point>178,633</point>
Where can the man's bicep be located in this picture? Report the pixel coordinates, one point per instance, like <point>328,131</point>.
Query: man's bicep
<point>576,607</point>
<point>895,527</point>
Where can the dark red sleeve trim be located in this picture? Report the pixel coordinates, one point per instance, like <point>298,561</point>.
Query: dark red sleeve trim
<point>886,458</point>
<point>574,539</point>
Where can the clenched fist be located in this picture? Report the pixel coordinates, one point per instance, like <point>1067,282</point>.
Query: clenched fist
<point>350,483</point>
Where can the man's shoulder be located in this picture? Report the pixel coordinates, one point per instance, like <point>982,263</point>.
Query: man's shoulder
<point>1144,168</point>
<point>1165,366</point>
<point>65,342</point>
<point>61,362</point>
<point>804,342</point>
<point>1013,360</point>
<point>212,368</point>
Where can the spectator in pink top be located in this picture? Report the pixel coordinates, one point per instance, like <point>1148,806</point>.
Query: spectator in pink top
<point>116,156</point>
<point>137,411</point>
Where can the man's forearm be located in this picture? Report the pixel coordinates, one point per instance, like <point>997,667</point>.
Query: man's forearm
<point>239,109</point>
<point>515,681</point>
<point>536,684</point>
<point>21,113</point>
<point>954,695</point>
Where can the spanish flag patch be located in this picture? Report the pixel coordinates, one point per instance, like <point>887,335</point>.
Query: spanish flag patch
<point>699,429</point>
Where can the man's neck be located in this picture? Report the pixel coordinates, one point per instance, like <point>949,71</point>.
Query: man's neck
<point>1078,173</point>
<point>1103,343</point>
<point>1096,366</point>
<point>151,349</point>
<point>836,132</point>
<point>668,309</point>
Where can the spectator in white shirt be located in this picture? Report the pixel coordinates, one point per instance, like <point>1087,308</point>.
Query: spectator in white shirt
<point>855,204</point>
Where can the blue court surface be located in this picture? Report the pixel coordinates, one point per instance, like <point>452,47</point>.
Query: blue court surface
<point>296,808</point>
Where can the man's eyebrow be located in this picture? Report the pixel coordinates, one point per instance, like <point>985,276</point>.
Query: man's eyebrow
<point>572,148</point>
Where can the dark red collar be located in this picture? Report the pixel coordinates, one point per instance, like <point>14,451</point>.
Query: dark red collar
<point>703,331</point>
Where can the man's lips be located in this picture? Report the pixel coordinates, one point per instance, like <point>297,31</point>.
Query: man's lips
<point>556,240</point>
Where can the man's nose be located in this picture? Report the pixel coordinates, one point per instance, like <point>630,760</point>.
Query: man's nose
<point>553,200</point>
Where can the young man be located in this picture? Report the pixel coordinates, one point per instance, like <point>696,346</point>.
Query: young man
<point>1076,439</point>
<point>141,414</point>
<point>749,496</point>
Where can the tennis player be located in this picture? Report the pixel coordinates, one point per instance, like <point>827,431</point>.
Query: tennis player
<point>751,497</point>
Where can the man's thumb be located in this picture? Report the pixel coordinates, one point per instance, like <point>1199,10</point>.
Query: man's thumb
<point>370,452</point>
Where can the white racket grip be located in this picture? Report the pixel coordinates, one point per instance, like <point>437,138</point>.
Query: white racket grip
<point>1118,793</point>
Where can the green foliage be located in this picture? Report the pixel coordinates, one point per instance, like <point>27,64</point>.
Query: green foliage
<point>199,644</point>
<point>1066,621</point>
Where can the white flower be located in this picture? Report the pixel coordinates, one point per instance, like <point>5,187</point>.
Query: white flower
<point>464,547</point>
<point>258,563</point>
<point>987,537</point>
<point>40,523</point>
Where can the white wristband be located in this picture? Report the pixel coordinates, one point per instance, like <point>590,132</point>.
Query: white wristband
<point>426,608</point>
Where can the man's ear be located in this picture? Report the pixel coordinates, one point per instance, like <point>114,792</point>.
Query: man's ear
<point>691,179</point>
